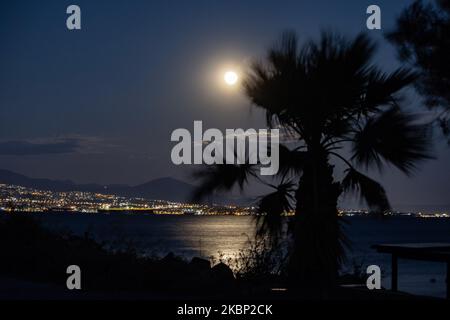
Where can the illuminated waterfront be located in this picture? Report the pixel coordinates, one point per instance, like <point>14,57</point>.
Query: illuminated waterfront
<point>21,199</point>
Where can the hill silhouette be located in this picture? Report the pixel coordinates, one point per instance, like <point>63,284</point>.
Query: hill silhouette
<point>165,188</point>
<point>162,189</point>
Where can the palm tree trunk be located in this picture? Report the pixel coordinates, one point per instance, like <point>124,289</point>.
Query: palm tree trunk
<point>317,248</point>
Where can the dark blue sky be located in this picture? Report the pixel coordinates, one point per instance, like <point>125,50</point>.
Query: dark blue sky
<point>109,96</point>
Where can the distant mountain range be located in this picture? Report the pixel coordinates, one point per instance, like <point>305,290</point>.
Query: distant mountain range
<point>167,188</point>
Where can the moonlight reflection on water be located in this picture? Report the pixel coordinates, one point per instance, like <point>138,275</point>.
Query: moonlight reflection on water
<point>206,236</point>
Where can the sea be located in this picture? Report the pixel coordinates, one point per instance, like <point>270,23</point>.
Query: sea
<point>211,236</point>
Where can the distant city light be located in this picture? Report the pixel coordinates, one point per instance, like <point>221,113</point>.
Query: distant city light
<point>21,199</point>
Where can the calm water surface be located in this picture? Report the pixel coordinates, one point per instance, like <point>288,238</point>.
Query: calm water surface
<point>208,235</point>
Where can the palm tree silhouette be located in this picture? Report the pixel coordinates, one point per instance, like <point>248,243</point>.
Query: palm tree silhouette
<point>325,96</point>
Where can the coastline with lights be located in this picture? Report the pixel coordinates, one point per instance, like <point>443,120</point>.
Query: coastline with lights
<point>15,198</point>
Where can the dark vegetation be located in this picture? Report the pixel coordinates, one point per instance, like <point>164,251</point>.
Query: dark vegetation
<point>422,38</point>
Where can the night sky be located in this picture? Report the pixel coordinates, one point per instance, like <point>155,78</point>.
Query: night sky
<point>99,104</point>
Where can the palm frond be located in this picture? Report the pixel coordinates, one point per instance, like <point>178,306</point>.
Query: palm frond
<point>393,137</point>
<point>367,189</point>
<point>382,88</point>
<point>283,55</point>
<point>221,177</point>
<point>271,207</point>
<point>291,161</point>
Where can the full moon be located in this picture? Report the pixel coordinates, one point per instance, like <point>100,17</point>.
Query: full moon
<point>230,78</point>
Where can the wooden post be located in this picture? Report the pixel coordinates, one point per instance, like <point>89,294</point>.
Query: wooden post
<point>447,280</point>
<point>394,276</point>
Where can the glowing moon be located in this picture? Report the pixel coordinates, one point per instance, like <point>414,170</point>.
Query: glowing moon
<point>230,78</point>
